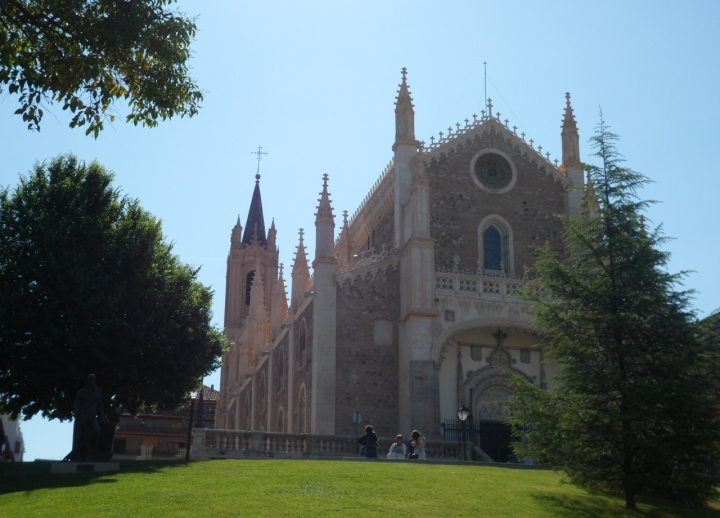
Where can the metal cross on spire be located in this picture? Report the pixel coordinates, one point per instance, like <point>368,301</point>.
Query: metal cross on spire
<point>260,154</point>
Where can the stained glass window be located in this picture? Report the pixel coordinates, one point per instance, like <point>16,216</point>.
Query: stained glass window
<point>492,248</point>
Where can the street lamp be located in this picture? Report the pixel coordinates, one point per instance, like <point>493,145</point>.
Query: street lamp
<point>193,395</point>
<point>463,413</point>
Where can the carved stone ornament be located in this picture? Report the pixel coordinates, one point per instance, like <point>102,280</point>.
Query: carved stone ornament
<point>490,405</point>
<point>499,357</point>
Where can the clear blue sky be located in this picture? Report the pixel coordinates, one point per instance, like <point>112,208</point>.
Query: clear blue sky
<point>314,84</point>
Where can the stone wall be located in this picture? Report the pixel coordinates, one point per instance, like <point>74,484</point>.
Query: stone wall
<point>367,352</point>
<point>458,205</point>
<point>303,369</point>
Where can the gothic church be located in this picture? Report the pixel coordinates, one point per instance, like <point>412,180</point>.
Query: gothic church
<point>412,310</point>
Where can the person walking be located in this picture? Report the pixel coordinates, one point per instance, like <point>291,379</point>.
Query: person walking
<point>397,449</point>
<point>418,444</point>
<point>371,442</point>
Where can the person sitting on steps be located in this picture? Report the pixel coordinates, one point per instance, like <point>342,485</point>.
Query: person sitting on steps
<point>397,449</point>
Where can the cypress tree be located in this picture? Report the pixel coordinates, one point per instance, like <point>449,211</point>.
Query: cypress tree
<point>634,408</point>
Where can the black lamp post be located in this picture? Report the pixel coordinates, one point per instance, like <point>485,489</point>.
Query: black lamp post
<point>463,413</point>
<point>200,423</point>
<point>193,395</point>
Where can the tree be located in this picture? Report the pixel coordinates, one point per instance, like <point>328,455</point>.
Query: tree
<point>88,285</point>
<point>634,408</point>
<point>88,54</point>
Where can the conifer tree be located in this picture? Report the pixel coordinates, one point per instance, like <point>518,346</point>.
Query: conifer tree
<point>634,408</point>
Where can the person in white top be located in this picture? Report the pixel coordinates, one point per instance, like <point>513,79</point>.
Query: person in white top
<point>397,449</point>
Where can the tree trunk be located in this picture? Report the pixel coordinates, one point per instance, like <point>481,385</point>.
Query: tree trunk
<point>628,468</point>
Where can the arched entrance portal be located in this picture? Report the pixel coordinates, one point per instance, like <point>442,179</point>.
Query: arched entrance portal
<point>472,373</point>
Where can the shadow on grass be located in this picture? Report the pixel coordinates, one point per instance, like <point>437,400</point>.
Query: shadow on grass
<point>602,506</point>
<point>31,476</point>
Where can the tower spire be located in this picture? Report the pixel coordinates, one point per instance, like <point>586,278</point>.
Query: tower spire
<point>324,224</point>
<point>404,115</point>
<point>235,240</point>
<point>255,218</point>
<point>300,273</point>
<point>570,138</point>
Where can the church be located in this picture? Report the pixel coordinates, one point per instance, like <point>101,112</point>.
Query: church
<point>412,308</point>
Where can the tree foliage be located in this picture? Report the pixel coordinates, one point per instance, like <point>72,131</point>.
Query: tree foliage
<point>88,285</point>
<point>634,408</point>
<point>85,55</point>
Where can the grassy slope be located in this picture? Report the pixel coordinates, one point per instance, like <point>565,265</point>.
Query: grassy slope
<point>305,488</point>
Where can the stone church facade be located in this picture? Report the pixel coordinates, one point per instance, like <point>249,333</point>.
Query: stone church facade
<point>412,309</point>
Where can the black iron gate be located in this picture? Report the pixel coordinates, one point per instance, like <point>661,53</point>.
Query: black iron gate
<point>494,438</point>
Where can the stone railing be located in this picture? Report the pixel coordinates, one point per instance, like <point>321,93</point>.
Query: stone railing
<point>481,286</point>
<point>246,444</point>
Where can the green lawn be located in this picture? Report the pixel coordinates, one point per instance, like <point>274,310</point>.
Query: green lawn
<point>306,488</point>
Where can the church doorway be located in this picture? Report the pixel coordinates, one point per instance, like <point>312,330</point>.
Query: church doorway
<point>495,439</point>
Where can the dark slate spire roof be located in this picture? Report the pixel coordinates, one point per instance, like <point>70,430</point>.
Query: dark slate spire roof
<point>255,217</point>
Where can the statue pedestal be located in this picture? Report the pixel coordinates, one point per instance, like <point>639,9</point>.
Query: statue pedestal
<point>84,467</point>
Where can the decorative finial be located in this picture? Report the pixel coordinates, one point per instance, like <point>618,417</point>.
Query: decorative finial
<point>497,115</point>
<point>467,122</point>
<point>325,180</point>
<point>301,232</point>
<point>489,106</point>
<point>540,149</point>
<point>449,131</point>
<point>432,140</point>
<point>506,121</point>
<point>441,135</point>
<point>523,135</point>
<point>567,97</point>
<point>531,142</point>
<point>345,217</point>
<point>515,130</point>
<point>260,154</point>
<point>474,118</point>
<point>404,73</point>
<point>483,113</point>
<point>458,125</point>
<point>548,156</point>
<point>556,162</point>
<point>257,178</point>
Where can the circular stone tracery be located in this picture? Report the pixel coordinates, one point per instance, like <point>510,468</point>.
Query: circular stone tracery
<point>493,171</point>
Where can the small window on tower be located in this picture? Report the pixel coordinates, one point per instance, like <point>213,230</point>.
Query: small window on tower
<point>248,286</point>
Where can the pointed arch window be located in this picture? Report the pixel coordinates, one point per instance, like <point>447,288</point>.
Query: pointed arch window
<point>495,246</point>
<point>281,369</point>
<point>248,286</point>
<point>302,355</point>
<point>492,245</point>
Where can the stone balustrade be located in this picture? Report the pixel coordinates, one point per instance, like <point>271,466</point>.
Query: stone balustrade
<point>481,286</point>
<point>241,444</point>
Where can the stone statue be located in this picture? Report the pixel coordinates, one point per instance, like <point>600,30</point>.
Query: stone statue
<point>88,414</point>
